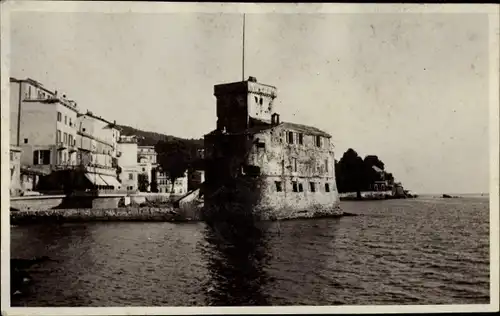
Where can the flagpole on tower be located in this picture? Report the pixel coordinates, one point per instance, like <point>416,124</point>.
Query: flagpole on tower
<point>243,53</point>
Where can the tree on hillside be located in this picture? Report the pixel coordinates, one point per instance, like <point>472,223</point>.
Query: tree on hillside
<point>389,177</point>
<point>354,174</point>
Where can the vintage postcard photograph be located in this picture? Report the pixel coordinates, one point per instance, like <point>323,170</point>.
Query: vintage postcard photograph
<point>190,158</point>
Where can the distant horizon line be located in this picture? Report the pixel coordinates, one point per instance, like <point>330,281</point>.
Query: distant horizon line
<point>437,193</point>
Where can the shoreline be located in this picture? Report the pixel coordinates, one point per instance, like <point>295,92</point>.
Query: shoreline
<point>129,214</point>
<point>143,214</point>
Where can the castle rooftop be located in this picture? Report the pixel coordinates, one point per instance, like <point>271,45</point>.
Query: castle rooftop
<point>305,129</point>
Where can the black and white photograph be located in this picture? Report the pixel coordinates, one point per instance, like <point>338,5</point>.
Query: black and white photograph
<point>265,158</point>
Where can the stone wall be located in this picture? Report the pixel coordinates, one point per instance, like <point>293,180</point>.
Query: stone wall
<point>84,215</point>
<point>143,197</point>
<point>289,204</point>
<point>36,202</point>
<point>288,171</point>
<point>45,202</point>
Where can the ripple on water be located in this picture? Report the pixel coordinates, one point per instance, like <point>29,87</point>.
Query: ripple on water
<point>398,252</point>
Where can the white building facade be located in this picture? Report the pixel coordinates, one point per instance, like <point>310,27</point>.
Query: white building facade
<point>127,160</point>
<point>43,126</point>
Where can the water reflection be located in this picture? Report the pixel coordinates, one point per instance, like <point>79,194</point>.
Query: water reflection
<point>48,242</point>
<point>236,255</point>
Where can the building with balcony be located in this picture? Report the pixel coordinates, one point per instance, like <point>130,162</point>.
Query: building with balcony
<point>42,125</point>
<point>97,145</point>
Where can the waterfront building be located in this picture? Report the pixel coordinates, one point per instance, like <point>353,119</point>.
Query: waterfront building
<point>146,160</point>
<point>293,164</point>
<point>179,186</point>
<point>30,178</point>
<point>97,144</point>
<point>161,181</point>
<point>43,126</point>
<point>165,185</point>
<point>127,160</point>
<point>384,183</point>
<point>15,171</point>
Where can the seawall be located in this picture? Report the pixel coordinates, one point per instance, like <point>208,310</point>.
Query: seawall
<point>288,213</point>
<point>88,215</point>
<point>47,202</point>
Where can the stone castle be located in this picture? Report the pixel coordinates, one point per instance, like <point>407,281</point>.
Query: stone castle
<point>294,163</point>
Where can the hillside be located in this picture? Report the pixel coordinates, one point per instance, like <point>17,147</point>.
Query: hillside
<point>147,138</point>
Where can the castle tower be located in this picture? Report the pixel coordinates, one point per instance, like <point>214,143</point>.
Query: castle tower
<point>241,104</point>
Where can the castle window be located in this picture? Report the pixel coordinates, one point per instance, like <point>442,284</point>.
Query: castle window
<point>256,100</point>
<point>260,101</point>
<point>65,119</point>
<point>326,166</point>
<point>312,185</point>
<point>327,187</point>
<point>25,140</point>
<point>289,137</point>
<point>294,164</point>
<point>278,186</point>
<point>301,188</point>
<point>318,141</point>
<point>59,116</point>
<point>294,186</point>
<point>261,145</point>
<point>301,138</point>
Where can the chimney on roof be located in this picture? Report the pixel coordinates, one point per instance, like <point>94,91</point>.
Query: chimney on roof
<point>252,79</point>
<point>275,119</point>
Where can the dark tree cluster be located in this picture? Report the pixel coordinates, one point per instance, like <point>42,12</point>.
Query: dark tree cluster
<point>175,156</point>
<point>355,174</point>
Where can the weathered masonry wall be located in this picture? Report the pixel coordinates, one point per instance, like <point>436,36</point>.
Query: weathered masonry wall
<point>86,214</point>
<point>299,178</point>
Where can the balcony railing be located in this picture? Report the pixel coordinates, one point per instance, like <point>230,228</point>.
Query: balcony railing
<point>66,166</point>
<point>61,145</point>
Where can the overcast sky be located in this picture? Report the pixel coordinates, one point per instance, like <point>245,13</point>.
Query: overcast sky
<point>410,88</point>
